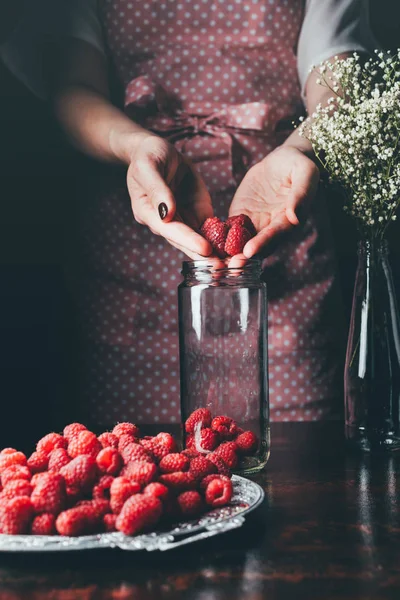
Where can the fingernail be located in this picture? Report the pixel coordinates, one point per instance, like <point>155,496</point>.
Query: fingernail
<point>162,210</point>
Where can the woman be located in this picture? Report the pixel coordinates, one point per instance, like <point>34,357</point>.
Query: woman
<point>202,124</point>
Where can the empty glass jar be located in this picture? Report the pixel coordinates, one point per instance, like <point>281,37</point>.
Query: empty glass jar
<point>223,358</point>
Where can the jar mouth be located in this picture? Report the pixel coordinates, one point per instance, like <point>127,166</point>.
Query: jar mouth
<point>223,270</point>
<point>215,264</point>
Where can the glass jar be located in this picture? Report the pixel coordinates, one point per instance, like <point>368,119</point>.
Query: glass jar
<point>372,372</point>
<point>223,359</point>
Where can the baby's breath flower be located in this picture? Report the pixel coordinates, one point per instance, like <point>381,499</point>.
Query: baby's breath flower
<point>356,135</point>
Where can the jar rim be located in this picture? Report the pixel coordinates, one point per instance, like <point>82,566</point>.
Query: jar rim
<point>231,270</point>
<point>206,262</point>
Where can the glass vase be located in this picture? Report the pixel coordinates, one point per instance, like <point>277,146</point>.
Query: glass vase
<point>372,370</point>
<point>223,359</point>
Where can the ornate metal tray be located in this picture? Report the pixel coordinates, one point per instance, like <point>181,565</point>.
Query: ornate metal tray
<point>247,495</point>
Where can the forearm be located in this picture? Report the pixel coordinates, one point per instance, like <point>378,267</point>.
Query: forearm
<point>95,126</point>
<point>319,96</point>
<point>315,94</point>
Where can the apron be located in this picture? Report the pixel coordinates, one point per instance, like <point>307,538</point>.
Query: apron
<point>219,80</point>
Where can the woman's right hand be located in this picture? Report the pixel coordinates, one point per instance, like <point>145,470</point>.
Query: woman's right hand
<point>168,195</point>
<point>160,180</point>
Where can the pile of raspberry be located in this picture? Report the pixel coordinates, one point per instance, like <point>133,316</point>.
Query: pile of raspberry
<point>77,483</point>
<point>218,439</point>
<point>229,237</point>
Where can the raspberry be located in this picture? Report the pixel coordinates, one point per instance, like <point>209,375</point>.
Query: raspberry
<point>179,481</point>
<point>215,232</point>
<point>221,465</point>
<point>109,461</point>
<point>230,445</point>
<point>206,439</point>
<point>190,442</point>
<point>16,515</point>
<point>126,428</point>
<point>158,451</point>
<point>79,520</point>
<point>190,503</point>
<point>99,507</point>
<point>49,494</point>
<point>7,451</point>
<point>200,467</point>
<point>125,440</point>
<point>109,522</point>
<point>11,458</point>
<point>108,439</point>
<point>38,462</point>
<point>227,451</point>
<point>156,489</point>
<point>74,494</point>
<point>225,427</point>
<point>190,452</point>
<point>121,489</point>
<point>174,462</point>
<point>80,472</point>
<point>244,221</point>
<point>15,488</point>
<point>58,459</point>
<point>84,442</point>
<point>138,513</point>
<point>50,442</point>
<point>246,442</point>
<point>37,477</point>
<point>218,492</point>
<point>166,439</point>
<point>201,415</point>
<point>72,430</point>
<point>204,483</point>
<point>102,489</point>
<point>44,524</point>
<point>141,472</point>
<point>135,452</point>
<point>15,472</point>
<point>236,239</point>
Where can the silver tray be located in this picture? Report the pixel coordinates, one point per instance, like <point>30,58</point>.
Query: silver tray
<point>247,495</point>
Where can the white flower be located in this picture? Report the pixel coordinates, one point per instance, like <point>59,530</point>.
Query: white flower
<point>357,135</point>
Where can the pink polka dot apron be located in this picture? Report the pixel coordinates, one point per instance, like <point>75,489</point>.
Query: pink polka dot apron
<point>219,80</point>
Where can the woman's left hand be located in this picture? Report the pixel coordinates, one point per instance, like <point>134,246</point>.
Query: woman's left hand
<point>274,193</point>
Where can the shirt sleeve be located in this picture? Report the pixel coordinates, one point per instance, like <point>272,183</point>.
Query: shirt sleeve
<point>41,22</point>
<point>331,27</point>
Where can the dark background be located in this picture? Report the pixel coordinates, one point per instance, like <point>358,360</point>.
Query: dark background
<point>39,175</point>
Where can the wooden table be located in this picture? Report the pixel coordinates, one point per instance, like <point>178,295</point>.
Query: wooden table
<point>328,530</point>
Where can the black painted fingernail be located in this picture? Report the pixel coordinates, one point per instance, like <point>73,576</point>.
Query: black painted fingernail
<point>162,210</point>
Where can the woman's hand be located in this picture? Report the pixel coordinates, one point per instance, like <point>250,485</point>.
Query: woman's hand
<point>167,195</point>
<point>276,194</point>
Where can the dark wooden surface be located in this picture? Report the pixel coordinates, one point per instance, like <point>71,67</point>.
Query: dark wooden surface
<point>328,530</point>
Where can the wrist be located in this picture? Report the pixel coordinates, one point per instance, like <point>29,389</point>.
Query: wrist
<point>299,143</point>
<point>125,143</point>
